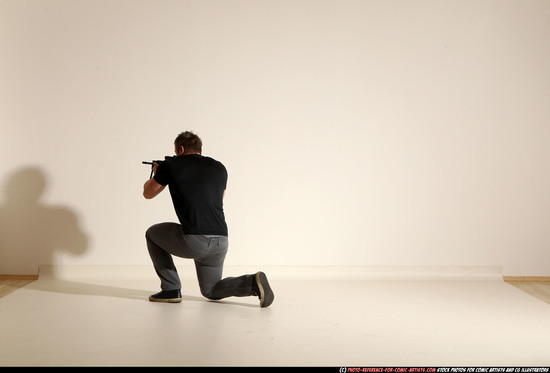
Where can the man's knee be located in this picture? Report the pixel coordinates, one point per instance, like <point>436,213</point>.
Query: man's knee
<point>150,232</point>
<point>208,293</point>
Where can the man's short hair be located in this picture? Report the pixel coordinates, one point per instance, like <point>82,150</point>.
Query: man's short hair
<point>191,143</point>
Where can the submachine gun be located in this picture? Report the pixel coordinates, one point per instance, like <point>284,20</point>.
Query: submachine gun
<point>152,163</point>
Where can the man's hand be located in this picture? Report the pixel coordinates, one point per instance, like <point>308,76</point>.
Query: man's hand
<point>155,166</point>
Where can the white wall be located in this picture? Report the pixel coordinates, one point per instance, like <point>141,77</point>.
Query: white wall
<point>354,132</point>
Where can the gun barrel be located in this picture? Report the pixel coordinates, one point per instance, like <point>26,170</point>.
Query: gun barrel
<point>144,162</point>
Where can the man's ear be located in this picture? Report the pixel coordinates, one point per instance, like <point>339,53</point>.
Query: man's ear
<point>180,151</point>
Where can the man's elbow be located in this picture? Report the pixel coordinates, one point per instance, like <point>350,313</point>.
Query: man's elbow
<point>148,194</point>
<point>149,190</point>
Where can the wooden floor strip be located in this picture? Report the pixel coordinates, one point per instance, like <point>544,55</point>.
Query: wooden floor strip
<point>526,279</point>
<point>18,277</point>
<point>9,285</point>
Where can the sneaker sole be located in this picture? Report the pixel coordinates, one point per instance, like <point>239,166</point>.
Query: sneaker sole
<point>169,300</point>
<point>266,294</point>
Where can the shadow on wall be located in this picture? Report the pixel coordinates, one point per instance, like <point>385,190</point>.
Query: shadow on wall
<point>31,232</point>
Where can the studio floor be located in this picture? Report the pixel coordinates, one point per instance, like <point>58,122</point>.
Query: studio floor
<point>321,316</point>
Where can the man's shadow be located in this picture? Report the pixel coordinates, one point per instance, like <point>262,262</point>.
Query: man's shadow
<point>31,231</point>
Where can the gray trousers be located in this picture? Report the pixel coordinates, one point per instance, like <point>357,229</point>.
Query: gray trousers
<point>208,252</point>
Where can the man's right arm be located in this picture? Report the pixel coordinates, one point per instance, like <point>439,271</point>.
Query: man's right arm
<point>151,188</point>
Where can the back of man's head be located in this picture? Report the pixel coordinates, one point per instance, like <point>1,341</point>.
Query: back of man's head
<point>191,143</point>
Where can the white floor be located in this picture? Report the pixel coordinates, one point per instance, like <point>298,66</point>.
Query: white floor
<point>322,316</point>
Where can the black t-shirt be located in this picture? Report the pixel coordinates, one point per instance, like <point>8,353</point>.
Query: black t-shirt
<point>196,185</point>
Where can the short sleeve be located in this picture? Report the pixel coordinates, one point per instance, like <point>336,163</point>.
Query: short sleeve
<point>162,176</point>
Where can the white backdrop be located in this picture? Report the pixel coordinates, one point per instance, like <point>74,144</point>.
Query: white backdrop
<point>354,132</point>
